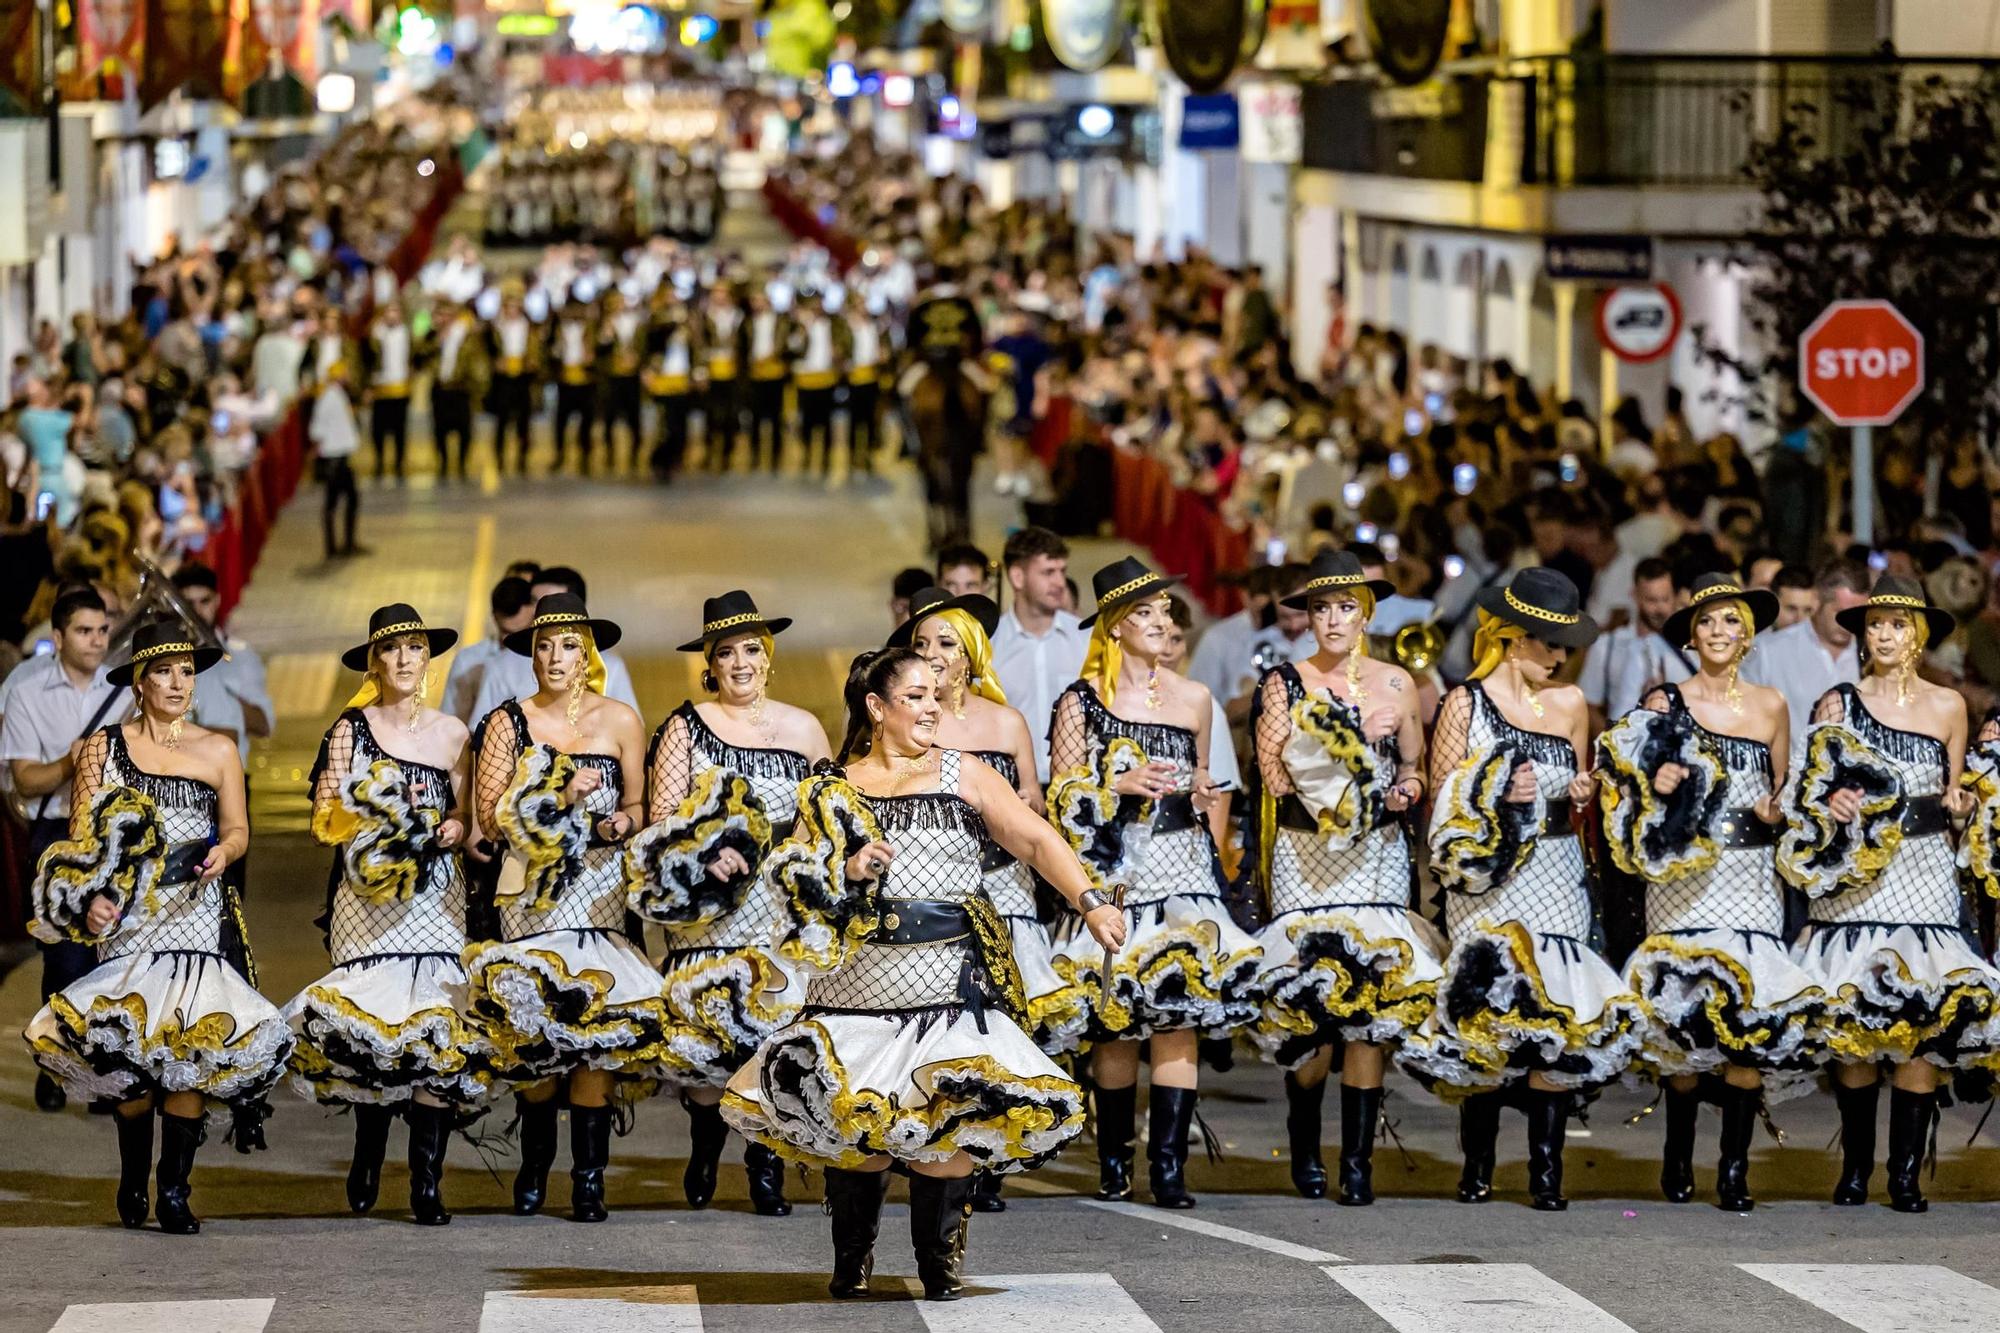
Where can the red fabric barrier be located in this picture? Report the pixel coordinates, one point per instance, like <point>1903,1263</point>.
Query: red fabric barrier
<point>802,222</point>
<point>1183,531</point>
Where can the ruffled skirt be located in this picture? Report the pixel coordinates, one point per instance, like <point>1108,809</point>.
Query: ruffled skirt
<point>1344,973</point>
<point>379,1031</point>
<point>1719,997</point>
<point>553,1003</point>
<point>1515,1002</point>
<point>147,1023</point>
<point>838,1088</point>
<point>723,1002</point>
<point>1904,993</point>
<point>1184,966</point>
<point>1058,1010</point>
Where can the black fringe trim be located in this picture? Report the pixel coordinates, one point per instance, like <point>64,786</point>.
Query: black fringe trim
<point>1537,746</point>
<point>1160,740</point>
<point>1907,746</point>
<point>750,761</point>
<point>166,792</point>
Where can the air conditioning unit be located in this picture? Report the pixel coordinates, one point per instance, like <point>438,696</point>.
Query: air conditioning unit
<point>24,212</point>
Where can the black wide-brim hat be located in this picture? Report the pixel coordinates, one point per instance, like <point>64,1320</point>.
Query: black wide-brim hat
<point>1545,603</point>
<point>927,602</point>
<point>162,638</point>
<point>731,614</point>
<point>1334,571</point>
<point>1711,588</point>
<point>1893,592</point>
<point>1123,582</point>
<point>562,610</point>
<point>392,622</point>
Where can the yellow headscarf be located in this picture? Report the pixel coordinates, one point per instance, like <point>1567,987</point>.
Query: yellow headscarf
<point>370,692</point>
<point>1104,658</point>
<point>1489,643</point>
<point>971,635</point>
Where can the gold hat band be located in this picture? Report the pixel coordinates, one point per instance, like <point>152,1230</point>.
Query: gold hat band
<point>1335,581</point>
<point>1538,613</point>
<point>160,650</point>
<point>1719,590</point>
<point>727,622</point>
<point>559,618</point>
<point>391,631</point>
<point>1898,599</point>
<point>1133,586</point>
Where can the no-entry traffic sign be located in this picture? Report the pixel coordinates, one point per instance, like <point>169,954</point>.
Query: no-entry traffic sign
<point>1861,362</point>
<point>1639,321</point>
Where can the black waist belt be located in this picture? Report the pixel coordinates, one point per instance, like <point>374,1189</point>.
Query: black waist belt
<point>1739,828</point>
<point>921,921</point>
<point>994,857</point>
<point>1558,823</point>
<point>182,862</point>
<point>1292,814</point>
<point>1923,816</point>
<point>1172,814</point>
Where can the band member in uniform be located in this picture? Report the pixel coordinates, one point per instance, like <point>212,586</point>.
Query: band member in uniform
<point>621,354</point>
<point>514,351</point>
<point>722,348</point>
<point>670,381</point>
<point>391,368</point>
<point>460,376</point>
<point>866,353</point>
<point>945,391</point>
<point>819,347</point>
<point>573,350</point>
<point>768,340</point>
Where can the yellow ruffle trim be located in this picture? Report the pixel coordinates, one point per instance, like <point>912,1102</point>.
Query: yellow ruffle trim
<point>1809,812</point>
<point>1113,1013</point>
<point>212,1036</point>
<point>1723,1010</point>
<point>448,1064</point>
<point>1486,1034</point>
<point>632,1053</point>
<point>540,775</point>
<point>1385,993</point>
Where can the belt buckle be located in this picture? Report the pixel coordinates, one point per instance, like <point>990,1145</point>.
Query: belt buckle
<point>891,921</point>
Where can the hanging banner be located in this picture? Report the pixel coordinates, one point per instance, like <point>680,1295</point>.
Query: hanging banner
<point>111,36</point>
<point>1084,34</point>
<point>967,18</point>
<point>1203,39</point>
<point>187,46</point>
<point>21,66</point>
<point>1209,120</point>
<point>267,28</point>
<point>1273,128</point>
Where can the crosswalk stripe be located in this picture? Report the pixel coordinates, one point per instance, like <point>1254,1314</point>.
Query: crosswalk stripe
<point>1217,1231</point>
<point>600,1309</point>
<point>166,1317</point>
<point>1888,1298</point>
<point>1472,1298</point>
<point>1073,1302</point>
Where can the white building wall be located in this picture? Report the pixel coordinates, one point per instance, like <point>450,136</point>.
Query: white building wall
<point>1267,220</point>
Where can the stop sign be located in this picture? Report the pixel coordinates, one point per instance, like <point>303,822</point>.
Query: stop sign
<point>1861,362</point>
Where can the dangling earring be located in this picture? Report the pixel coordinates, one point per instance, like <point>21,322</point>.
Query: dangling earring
<point>1153,699</point>
<point>418,700</point>
<point>1731,694</point>
<point>708,681</point>
<point>173,738</point>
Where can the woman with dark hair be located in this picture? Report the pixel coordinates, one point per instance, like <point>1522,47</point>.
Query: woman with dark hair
<point>722,791</point>
<point>909,1048</point>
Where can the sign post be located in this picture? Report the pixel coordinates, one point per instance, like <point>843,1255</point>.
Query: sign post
<point>1862,363</point>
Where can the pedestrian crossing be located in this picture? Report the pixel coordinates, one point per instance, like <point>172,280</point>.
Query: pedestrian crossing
<point>1406,1298</point>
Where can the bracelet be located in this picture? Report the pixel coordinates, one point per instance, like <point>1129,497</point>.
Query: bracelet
<point>1090,900</point>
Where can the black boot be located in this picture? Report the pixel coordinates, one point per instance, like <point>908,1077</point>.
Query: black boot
<point>430,1132</point>
<point>1116,1108</point>
<point>766,1171</point>
<point>1548,1121</point>
<point>1911,1118</point>
<point>538,1153</point>
<point>986,1192</point>
<point>939,1211</point>
<point>706,1135</point>
<point>1360,1108</point>
<point>371,1141</point>
<point>1739,1124</point>
<point>1857,1141</point>
<point>49,1094</point>
<point>589,1153</point>
<point>1302,1128</point>
<point>1677,1155</point>
<point>1478,1132</point>
<point>135,1165</point>
<point>854,1202</point>
<point>180,1137</point>
<point>1171,1115</point>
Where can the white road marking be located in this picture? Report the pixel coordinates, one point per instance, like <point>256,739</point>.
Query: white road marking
<point>599,1309</point>
<point>1072,1302</point>
<point>1216,1231</point>
<point>167,1317</point>
<point>1472,1298</point>
<point>1888,1298</point>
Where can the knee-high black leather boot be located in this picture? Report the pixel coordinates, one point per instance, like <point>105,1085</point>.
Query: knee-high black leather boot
<point>1302,1133</point>
<point>1478,1133</point>
<point>1360,1109</point>
<point>854,1202</point>
<point>1857,1141</point>
<point>1677,1154</point>
<point>371,1141</point>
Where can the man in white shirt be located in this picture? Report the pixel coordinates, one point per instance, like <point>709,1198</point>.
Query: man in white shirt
<point>1038,648</point>
<point>1222,653</point>
<point>1670,508</point>
<point>232,696</point>
<point>277,357</point>
<point>1805,660</point>
<point>391,367</point>
<point>512,676</point>
<point>513,607</point>
<point>1627,661</point>
<point>336,437</point>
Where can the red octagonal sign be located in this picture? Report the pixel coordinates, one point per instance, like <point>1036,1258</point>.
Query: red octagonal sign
<point>1861,362</point>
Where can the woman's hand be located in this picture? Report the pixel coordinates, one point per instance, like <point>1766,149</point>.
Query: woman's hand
<point>871,862</point>
<point>102,913</point>
<point>1581,788</point>
<point>727,865</point>
<point>1206,793</point>
<point>1768,810</point>
<point>1149,781</point>
<point>1106,925</point>
<point>450,833</point>
<point>1521,788</point>
<point>1381,722</point>
<point>212,865</point>
<point>615,827</point>
<point>477,851</point>
<point>1402,796</point>
<point>581,785</point>
<point>1958,802</point>
<point>1845,804</point>
<point>1668,778</point>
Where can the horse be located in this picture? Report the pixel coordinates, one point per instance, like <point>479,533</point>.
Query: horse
<point>946,408</point>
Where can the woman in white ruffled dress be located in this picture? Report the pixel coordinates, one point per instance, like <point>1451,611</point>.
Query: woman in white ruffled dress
<point>568,1002</point>
<point>164,1022</point>
<point>1347,965</point>
<point>1691,809</point>
<point>1868,841</point>
<point>1129,790</point>
<point>952,635</point>
<point>385,1032</point>
<point>909,1048</point>
<point>722,791</point>
<point>1528,1012</point>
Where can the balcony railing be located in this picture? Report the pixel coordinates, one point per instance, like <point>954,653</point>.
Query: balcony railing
<point>1611,120</point>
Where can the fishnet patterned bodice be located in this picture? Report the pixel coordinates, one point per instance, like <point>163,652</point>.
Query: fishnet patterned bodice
<point>433,920</point>
<point>1008,883</point>
<point>1920,884</point>
<point>1740,891</point>
<point>1306,872</point>
<point>184,917</point>
<point>596,900</point>
<point>938,838</point>
<point>1550,894</point>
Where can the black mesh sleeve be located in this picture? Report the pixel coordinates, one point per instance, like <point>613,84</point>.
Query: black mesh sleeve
<point>499,751</point>
<point>1274,728</point>
<point>669,769</point>
<point>88,777</point>
<point>1451,736</point>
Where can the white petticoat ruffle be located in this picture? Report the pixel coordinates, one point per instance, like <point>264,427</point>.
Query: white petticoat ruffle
<point>1719,997</point>
<point>1904,992</point>
<point>378,1031</point>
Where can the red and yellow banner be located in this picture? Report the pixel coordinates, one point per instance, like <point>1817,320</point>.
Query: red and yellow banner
<point>111,35</point>
<point>20,54</point>
<point>285,29</point>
